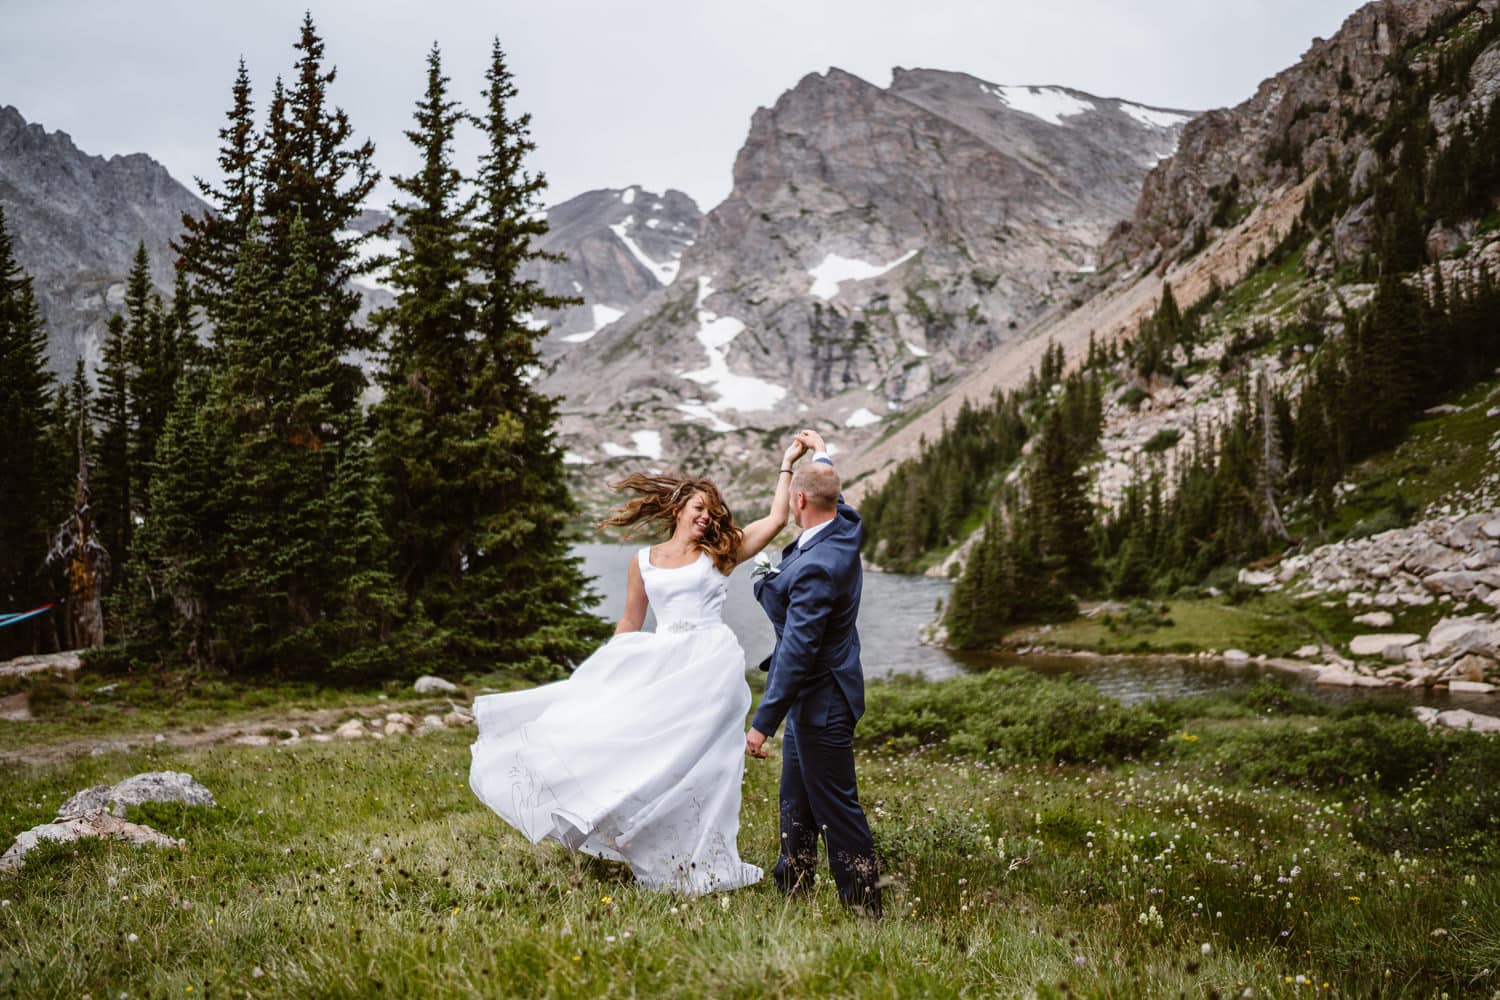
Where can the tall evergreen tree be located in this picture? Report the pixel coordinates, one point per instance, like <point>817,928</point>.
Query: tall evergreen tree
<point>28,485</point>
<point>112,500</point>
<point>427,422</point>
<point>208,247</point>
<point>524,597</point>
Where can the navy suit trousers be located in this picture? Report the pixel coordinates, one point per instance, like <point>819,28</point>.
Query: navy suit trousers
<point>819,797</point>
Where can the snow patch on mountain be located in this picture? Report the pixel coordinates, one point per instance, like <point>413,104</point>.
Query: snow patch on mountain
<point>861,418</point>
<point>1154,116</point>
<point>664,271</point>
<point>834,270</point>
<point>1050,104</point>
<point>603,316</point>
<point>647,443</point>
<point>743,393</point>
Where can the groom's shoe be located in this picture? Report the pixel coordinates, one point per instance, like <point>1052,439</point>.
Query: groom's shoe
<point>793,880</point>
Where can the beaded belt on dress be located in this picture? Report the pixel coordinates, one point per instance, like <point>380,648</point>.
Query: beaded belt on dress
<point>689,626</point>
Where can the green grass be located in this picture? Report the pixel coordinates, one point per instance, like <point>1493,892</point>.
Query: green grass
<point>1261,625</point>
<point>367,869</point>
<point>1440,456</point>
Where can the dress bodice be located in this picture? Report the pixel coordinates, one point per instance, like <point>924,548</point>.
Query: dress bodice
<point>685,597</point>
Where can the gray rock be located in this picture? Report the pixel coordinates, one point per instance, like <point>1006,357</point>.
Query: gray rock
<point>1236,657</point>
<point>1471,668</point>
<point>152,786</point>
<point>1425,714</point>
<point>434,685</point>
<point>1470,687</point>
<point>61,663</point>
<point>1460,718</point>
<point>1307,652</point>
<point>1456,582</point>
<point>1463,635</point>
<point>1376,619</point>
<point>1377,643</point>
<point>97,824</point>
<point>457,720</point>
<point>108,747</point>
<point>351,730</point>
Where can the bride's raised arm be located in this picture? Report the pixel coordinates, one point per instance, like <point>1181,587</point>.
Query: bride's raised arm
<point>758,534</point>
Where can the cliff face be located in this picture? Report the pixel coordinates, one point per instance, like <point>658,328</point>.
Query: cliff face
<point>1315,113</point>
<point>76,220</point>
<point>876,241</point>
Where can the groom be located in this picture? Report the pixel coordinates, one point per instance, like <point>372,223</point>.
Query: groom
<point>816,685</point>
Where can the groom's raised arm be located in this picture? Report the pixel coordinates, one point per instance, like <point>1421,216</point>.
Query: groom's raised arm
<point>808,608</point>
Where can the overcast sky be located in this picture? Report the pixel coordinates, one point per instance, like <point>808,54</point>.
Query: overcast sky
<point>657,94</point>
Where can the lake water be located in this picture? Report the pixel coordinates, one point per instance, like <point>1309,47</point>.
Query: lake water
<point>895,609</point>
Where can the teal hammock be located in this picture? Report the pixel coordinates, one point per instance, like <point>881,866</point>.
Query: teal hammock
<point>21,616</point>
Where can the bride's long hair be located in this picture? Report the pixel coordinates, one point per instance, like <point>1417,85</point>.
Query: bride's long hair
<point>659,499</point>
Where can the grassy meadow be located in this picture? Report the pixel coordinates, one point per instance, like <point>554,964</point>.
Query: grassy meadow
<point>1039,840</point>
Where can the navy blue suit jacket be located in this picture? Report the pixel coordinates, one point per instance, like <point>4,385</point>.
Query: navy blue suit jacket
<point>813,601</point>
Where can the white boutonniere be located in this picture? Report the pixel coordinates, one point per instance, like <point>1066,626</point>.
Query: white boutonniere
<point>763,568</point>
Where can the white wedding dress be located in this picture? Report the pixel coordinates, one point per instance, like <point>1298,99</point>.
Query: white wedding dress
<point>638,756</point>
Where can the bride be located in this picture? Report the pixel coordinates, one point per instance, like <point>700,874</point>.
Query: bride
<point>638,756</point>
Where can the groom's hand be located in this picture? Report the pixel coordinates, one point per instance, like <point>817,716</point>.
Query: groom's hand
<point>755,744</point>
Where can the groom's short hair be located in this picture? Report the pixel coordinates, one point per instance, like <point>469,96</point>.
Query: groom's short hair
<point>820,483</point>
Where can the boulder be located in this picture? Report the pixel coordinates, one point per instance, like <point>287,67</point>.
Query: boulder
<point>1306,652</point>
<point>434,685</point>
<point>1461,718</point>
<point>1376,619</point>
<point>401,718</point>
<point>457,720</point>
<point>1376,644</point>
<point>1470,687</point>
<point>1236,657</point>
<point>99,824</point>
<point>351,730</point>
<point>152,786</point>
<point>1454,581</point>
<point>1491,528</point>
<point>1426,714</point>
<point>1256,578</point>
<point>429,723</point>
<point>1432,558</point>
<point>1463,635</point>
<point>1470,668</point>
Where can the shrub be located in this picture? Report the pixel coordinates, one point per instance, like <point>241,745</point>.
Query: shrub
<point>1162,440</point>
<point>1011,712</point>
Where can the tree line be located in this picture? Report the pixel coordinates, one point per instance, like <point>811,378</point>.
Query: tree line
<point>254,510</point>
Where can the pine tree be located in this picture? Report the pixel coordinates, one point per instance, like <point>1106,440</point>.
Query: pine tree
<point>427,423</point>
<point>112,499</point>
<point>154,364</point>
<point>524,597</point>
<point>28,484</point>
<point>169,603</point>
<point>208,247</point>
<point>314,170</point>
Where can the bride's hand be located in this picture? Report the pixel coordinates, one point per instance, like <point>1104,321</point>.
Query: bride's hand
<point>811,440</point>
<point>793,452</point>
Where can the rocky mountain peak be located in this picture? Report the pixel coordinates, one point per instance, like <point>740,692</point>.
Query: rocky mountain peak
<point>876,241</point>
<point>1298,120</point>
<point>76,220</point>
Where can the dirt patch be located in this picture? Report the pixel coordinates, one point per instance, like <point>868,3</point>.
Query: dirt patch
<point>204,736</point>
<point>16,707</point>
